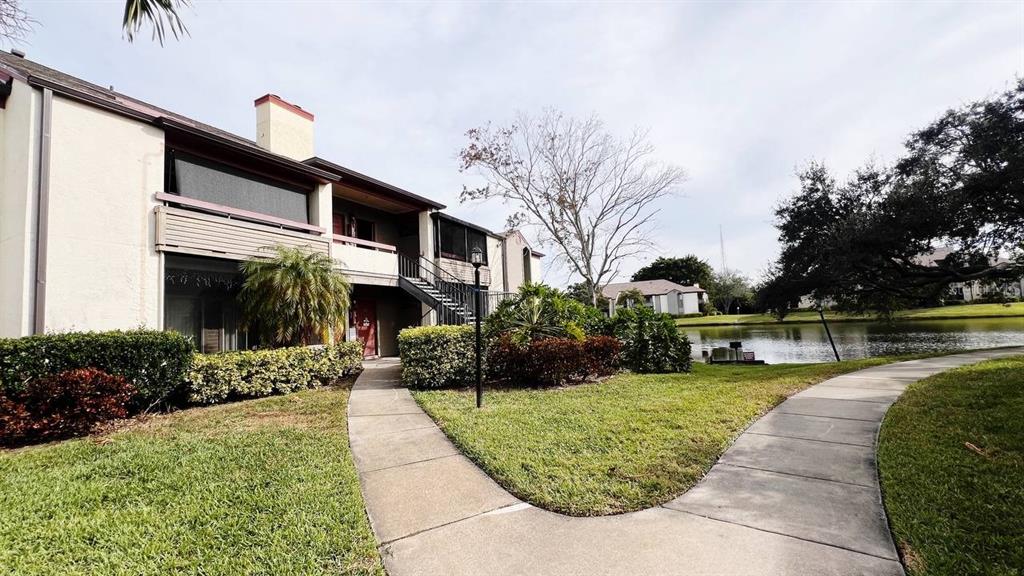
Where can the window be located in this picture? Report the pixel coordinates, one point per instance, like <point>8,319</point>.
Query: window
<point>477,240</point>
<point>209,181</point>
<point>456,241</point>
<point>200,302</point>
<point>452,240</point>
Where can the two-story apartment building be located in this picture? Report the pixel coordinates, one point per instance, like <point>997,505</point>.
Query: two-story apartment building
<point>115,213</point>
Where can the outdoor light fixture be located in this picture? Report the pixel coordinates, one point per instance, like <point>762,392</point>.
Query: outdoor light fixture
<point>476,257</point>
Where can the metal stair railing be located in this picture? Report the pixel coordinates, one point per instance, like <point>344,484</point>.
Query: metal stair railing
<point>453,299</point>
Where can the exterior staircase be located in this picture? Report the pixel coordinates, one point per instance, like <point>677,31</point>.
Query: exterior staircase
<point>452,300</point>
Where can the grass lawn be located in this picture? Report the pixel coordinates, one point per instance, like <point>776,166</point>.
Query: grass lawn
<point>259,487</point>
<point>628,443</point>
<point>804,316</point>
<point>958,510</point>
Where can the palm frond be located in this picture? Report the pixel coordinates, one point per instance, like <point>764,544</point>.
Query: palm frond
<point>293,295</point>
<point>160,14</point>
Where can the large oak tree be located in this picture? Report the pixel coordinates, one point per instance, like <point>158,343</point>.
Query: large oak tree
<point>865,243</point>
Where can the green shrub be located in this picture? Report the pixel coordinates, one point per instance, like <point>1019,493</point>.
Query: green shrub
<point>538,311</point>
<point>651,342</point>
<point>255,373</point>
<point>154,363</point>
<point>552,361</point>
<point>437,356</point>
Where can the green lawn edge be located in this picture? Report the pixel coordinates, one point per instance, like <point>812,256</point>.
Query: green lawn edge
<point>263,486</point>
<point>622,445</point>
<point>951,467</point>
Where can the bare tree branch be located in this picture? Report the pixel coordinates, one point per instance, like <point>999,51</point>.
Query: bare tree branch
<point>15,22</point>
<point>590,195</point>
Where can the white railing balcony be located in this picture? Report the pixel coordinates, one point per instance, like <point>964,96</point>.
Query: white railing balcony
<point>365,261</point>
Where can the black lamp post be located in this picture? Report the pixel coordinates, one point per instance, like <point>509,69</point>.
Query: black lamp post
<point>476,257</point>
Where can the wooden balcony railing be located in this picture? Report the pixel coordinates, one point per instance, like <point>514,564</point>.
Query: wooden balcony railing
<point>239,214</point>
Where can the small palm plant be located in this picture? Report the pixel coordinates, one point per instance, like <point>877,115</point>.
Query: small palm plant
<point>293,295</point>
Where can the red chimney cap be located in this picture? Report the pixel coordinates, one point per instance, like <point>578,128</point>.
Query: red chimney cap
<point>274,98</point>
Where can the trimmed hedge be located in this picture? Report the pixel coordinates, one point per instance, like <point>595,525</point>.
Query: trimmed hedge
<point>251,374</point>
<point>72,403</point>
<point>437,356</point>
<point>154,363</point>
<point>552,361</point>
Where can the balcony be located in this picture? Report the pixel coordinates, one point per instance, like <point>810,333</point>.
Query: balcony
<point>189,226</point>
<point>366,262</point>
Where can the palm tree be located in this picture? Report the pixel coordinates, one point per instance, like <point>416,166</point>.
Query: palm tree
<point>158,13</point>
<point>293,295</point>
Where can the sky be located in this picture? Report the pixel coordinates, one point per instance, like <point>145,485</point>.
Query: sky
<point>738,94</point>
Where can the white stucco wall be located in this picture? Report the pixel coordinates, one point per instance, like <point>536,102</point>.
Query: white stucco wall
<point>321,207</point>
<point>496,262</point>
<point>19,165</point>
<point>102,269</point>
<point>283,130</point>
<point>514,245</point>
<point>426,233</point>
<point>691,303</point>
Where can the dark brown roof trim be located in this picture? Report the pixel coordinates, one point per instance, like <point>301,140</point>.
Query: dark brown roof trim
<point>149,115</point>
<point>347,174</point>
<point>320,175</point>
<point>470,225</point>
<point>137,113</point>
<point>6,86</point>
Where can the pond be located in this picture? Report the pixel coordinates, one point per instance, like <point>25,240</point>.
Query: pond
<point>778,343</point>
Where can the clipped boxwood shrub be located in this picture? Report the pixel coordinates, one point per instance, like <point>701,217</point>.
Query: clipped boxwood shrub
<point>437,356</point>
<point>154,363</point>
<point>255,373</point>
<point>72,403</point>
<point>651,342</point>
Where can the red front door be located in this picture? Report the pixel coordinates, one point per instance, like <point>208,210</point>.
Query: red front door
<point>364,317</point>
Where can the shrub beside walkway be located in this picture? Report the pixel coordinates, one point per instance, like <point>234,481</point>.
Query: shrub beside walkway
<point>796,493</point>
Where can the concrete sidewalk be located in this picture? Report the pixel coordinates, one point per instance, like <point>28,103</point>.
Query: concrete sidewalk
<point>797,493</point>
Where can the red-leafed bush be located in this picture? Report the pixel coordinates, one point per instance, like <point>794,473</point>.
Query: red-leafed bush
<point>552,361</point>
<point>601,355</point>
<point>70,403</point>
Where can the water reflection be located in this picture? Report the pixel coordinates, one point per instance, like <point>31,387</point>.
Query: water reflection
<point>808,342</point>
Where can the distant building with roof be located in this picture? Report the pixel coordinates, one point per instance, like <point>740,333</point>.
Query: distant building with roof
<point>975,289</point>
<point>661,295</point>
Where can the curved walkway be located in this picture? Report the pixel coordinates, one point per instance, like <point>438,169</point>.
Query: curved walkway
<point>797,493</point>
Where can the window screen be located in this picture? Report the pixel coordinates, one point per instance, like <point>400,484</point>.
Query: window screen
<point>457,241</point>
<point>478,240</point>
<point>210,181</point>
<point>453,240</point>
